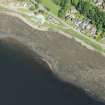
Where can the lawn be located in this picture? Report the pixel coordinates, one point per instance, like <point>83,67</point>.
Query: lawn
<point>24,10</point>
<point>49,4</point>
<point>2,7</point>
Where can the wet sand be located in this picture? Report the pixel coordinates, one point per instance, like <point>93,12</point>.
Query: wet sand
<point>25,79</point>
<point>70,61</point>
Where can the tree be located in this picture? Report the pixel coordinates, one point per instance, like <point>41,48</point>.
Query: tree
<point>57,2</point>
<point>61,13</point>
<point>92,12</point>
<point>65,5</point>
<point>75,2</point>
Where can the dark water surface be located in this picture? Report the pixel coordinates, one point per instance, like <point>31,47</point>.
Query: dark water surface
<point>24,81</point>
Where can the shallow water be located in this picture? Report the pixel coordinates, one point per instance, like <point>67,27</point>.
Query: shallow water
<point>25,81</point>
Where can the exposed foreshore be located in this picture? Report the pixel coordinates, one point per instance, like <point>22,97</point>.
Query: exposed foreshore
<point>68,59</point>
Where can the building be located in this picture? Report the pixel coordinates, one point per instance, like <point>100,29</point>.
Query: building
<point>83,25</point>
<point>77,22</point>
<point>40,19</point>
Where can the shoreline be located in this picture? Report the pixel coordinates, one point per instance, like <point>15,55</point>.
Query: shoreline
<point>71,61</point>
<point>15,44</point>
<point>17,15</point>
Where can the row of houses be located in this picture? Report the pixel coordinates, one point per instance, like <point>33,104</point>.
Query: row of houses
<point>84,25</point>
<point>81,24</point>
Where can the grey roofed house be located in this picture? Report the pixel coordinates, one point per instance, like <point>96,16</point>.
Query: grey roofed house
<point>40,19</point>
<point>83,25</point>
<point>77,22</point>
<point>28,4</point>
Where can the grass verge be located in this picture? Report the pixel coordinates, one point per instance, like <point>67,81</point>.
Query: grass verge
<point>49,4</point>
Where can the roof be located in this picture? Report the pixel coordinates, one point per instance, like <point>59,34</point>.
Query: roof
<point>40,18</point>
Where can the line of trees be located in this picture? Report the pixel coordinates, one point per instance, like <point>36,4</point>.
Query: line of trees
<point>92,12</point>
<point>87,9</point>
<point>64,6</point>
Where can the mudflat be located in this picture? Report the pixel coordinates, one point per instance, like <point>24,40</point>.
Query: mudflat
<point>70,61</point>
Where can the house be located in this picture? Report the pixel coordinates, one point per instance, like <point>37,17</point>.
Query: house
<point>83,25</point>
<point>40,19</point>
<point>77,22</point>
<point>28,5</point>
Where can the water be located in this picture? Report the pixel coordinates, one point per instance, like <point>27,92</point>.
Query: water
<point>25,81</point>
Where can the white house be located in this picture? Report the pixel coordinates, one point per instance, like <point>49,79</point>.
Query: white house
<point>40,19</point>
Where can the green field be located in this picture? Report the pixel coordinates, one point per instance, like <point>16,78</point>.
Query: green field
<point>49,4</point>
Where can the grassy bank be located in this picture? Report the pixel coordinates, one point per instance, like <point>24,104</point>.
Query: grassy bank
<point>86,40</point>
